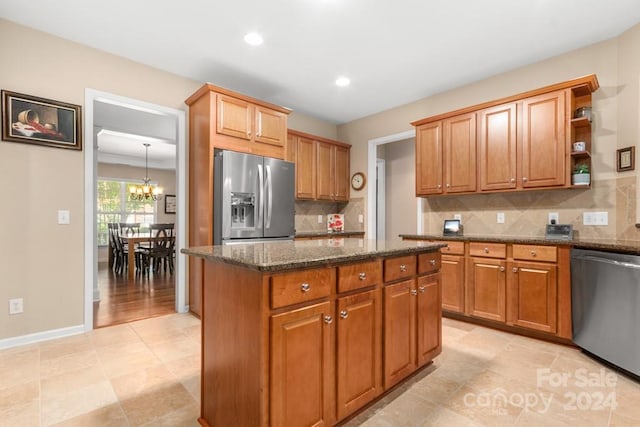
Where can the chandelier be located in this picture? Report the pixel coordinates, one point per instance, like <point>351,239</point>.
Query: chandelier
<point>145,191</point>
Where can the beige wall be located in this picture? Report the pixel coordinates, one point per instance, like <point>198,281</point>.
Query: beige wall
<point>43,262</point>
<point>615,107</point>
<point>400,200</point>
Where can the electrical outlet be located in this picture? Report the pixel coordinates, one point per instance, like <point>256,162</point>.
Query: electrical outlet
<point>360,218</point>
<point>320,218</point>
<point>554,216</point>
<point>500,218</point>
<point>16,306</point>
<point>457,216</point>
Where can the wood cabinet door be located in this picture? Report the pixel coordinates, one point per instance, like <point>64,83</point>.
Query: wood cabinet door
<point>359,350</point>
<point>452,277</point>
<point>342,172</point>
<point>271,126</point>
<point>497,142</point>
<point>543,140</point>
<point>399,331</point>
<point>460,153</point>
<point>487,289</point>
<point>302,367</point>
<point>429,312</point>
<point>429,158</point>
<point>234,117</point>
<point>325,168</point>
<point>305,168</point>
<point>532,296</point>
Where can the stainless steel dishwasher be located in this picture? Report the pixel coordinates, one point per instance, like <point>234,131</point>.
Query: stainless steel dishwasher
<point>605,296</point>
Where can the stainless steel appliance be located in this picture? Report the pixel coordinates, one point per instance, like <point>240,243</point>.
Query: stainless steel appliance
<point>605,296</point>
<point>253,198</point>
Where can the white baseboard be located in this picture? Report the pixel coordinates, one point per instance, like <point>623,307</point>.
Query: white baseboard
<point>41,336</point>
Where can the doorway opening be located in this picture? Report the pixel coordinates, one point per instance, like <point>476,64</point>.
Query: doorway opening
<point>375,151</point>
<point>116,131</point>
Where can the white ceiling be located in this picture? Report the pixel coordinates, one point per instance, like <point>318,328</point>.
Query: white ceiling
<point>394,52</point>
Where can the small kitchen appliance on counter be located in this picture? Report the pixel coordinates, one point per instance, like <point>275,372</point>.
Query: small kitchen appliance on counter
<point>452,227</point>
<point>335,223</point>
<point>559,232</point>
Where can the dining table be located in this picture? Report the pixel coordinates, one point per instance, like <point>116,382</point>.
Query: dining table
<point>132,240</point>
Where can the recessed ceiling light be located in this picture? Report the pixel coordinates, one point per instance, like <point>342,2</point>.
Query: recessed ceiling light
<point>343,81</point>
<point>254,39</point>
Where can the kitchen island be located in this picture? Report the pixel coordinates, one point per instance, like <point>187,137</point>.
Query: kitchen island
<point>309,332</point>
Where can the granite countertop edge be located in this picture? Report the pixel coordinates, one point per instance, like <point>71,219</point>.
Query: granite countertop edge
<point>206,252</point>
<point>614,245</point>
<point>328,234</point>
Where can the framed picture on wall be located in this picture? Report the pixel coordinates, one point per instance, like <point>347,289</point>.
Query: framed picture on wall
<point>170,204</point>
<point>32,120</point>
<point>626,159</point>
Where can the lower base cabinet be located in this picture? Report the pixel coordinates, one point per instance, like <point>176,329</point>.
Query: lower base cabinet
<point>486,289</point>
<point>452,272</point>
<point>399,331</point>
<point>533,296</point>
<point>358,351</point>
<point>429,318</point>
<point>301,367</point>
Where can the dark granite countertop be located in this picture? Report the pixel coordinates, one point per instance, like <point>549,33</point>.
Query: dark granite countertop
<point>286,255</point>
<point>328,234</point>
<point>610,245</point>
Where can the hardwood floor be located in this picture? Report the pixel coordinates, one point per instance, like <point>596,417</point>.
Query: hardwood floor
<point>123,301</point>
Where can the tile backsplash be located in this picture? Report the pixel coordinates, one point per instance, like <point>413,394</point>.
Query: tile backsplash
<point>307,214</point>
<point>526,213</point>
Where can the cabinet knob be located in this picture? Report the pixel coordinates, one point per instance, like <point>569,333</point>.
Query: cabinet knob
<point>513,180</point>
<point>328,319</point>
<point>344,314</point>
<point>422,289</point>
<point>514,269</point>
<point>362,276</point>
<point>432,261</point>
<point>414,292</point>
<point>524,179</point>
<point>448,185</point>
<point>486,250</point>
<point>533,253</point>
<point>403,268</point>
<point>248,133</point>
<point>439,186</point>
<point>305,287</point>
<point>501,268</point>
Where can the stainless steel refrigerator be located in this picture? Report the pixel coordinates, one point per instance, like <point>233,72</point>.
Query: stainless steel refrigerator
<point>253,198</point>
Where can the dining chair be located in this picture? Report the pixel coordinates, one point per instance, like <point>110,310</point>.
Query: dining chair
<point>159,255</point>
<point>129,228</point>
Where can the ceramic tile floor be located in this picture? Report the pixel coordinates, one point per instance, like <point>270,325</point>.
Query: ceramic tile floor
<point>146,373</point>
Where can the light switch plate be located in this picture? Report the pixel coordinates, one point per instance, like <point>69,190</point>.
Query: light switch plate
<point>63,217</point>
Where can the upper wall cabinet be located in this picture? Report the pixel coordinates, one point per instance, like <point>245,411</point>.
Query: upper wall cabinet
<point>322,167</point>
<point>517,143</point>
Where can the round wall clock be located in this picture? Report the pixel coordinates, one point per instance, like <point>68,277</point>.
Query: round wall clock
<point>358,181</point>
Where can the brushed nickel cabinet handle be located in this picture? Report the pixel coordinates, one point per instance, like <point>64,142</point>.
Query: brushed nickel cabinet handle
<point>414,292</point>
<point>533,253</point>
<point>432,261</point>
<point>486,250</point>
<point>513,180</point>
<point>344,314</point>
<point>305,287</point>
<point>403,268</point>
<point>439,186</point>
<point>514,269</point>
<point>422,289</point>
<point>362,276</point>
<point>501,268</point>
<point>524,179</point>
<point>328,319</point>
<point>448,185</point>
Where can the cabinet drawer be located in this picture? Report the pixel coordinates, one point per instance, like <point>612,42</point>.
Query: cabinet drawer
<point>301,286</point>
<point>535,253</point>
<point>488,250</point>
<point>361,275</point>
<point>429,262</point>
<point>399,267</point>
<point>453,248</point>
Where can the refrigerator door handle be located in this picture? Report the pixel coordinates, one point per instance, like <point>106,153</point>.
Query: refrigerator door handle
<point>260,196</point>
<point>269,197</point>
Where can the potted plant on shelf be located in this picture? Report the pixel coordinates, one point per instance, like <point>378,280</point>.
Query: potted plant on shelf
<point>581,175</point>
